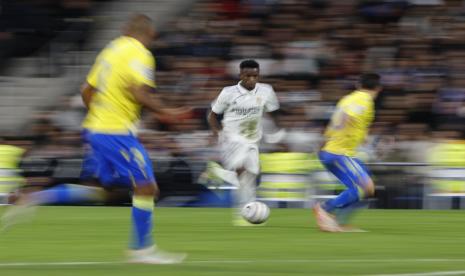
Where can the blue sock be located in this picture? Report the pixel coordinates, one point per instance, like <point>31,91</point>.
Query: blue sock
<point>66,193</point>
<point>343,199</point>
<point>345,214</point>
<point>142,210</point>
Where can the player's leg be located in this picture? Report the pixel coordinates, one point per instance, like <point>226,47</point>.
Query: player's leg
<point>232,159</point>
<point>247,175</point>
<point>342,167</point>
<point>236,158</point>
<point>247,187</point>
<point>65,193</point>
<point>353,176</point>
<point>323,212</point>
<point>346,213</point>
<point>94,166</point>
<point>130,160</point>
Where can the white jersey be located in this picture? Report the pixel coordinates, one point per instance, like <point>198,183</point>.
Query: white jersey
<point>243,110</point>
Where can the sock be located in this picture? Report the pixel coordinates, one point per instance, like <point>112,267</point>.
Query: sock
<point>66,193</point>
<point>343,199</point>
<point>142,210</point>
<point>345,214</point>
<point>246,190</point>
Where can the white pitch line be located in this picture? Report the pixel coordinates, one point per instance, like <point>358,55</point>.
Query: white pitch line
<point>57,263</point>
<point>437,273</point>
<point>243,261</point>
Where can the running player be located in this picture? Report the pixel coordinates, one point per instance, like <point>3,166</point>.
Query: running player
<point>117,87</point>
<point>348,129</point>
<point>236,118</point>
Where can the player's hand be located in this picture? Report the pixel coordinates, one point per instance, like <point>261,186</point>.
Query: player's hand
<point>276,137</point>
<point>181,111</point>
<point>173,115</point>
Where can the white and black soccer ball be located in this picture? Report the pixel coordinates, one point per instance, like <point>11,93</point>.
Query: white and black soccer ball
<point>255,212</point>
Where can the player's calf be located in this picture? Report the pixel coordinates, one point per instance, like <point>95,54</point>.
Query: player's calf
<point>368,187</point>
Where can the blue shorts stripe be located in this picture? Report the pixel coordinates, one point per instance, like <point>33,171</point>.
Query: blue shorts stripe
<point>350,171</point>
<point>121,159</point>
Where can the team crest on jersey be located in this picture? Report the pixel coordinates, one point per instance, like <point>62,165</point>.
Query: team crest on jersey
<point>259,100</point>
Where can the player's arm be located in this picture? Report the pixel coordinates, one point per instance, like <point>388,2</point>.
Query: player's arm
<point>219,106</point>
<point>89,87</point>
<point>142,71</point>
<point>87,92</point>
<point>273,110</point>
<point>214,120</point>
<point>142,94</point>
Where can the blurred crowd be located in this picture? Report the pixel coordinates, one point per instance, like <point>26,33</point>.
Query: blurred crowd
<point>311,51</point>
<point>26,26</point>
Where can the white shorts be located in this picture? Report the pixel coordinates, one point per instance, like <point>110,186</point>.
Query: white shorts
<point>240,155</point>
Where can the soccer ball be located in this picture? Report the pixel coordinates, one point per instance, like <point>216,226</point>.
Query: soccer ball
<point>255,212</point>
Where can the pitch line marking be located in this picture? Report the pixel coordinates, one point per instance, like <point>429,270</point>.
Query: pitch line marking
<point>437,273</point>
<point>242,261</point>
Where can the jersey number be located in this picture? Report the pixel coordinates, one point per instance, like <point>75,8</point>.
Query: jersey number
<point>249,128</point>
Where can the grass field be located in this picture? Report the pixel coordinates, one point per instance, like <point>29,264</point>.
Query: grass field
<point>400,242</point>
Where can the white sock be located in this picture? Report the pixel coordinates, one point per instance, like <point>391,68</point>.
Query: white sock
<point>246,191</point>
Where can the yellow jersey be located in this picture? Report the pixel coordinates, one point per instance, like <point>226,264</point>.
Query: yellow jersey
<point>343,138</point>
<point>123,63</point>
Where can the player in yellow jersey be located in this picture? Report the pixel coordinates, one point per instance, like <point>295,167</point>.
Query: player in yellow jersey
<point>117,87</point>
<point>348,129</point>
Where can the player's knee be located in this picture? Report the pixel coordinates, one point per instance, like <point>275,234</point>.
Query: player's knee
<point>239,171</point>
<point>369,188</point>
<point>147,190</point>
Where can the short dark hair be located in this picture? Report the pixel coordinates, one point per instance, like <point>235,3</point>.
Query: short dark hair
<point>249,63</point>
<point>370,81</point>
<point>137,23</point>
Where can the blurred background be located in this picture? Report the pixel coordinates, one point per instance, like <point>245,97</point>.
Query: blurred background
<point>311,51</point>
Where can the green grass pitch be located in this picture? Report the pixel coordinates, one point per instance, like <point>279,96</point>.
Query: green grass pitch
<point>399,242</point>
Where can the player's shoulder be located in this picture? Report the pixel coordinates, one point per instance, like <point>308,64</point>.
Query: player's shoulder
<point>132,47</point>
<point>265,86</point>
<point>229,90</point>
<point>356,96</point>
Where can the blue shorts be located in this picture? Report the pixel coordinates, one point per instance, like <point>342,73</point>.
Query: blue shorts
<point>350,171</point>
<point>121,160</point>
<point>89,168</point>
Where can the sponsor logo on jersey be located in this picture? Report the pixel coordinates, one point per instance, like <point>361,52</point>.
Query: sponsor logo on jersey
<point>246,111</point>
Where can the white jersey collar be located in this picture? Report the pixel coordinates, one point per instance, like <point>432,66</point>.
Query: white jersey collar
<point>244,90</point>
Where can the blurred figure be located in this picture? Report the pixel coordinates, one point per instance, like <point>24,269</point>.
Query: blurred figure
<point>348,129</point>
<point>10,178</point>
<point>447,171</point>
<point>117,87</point>
<point>236,118</point>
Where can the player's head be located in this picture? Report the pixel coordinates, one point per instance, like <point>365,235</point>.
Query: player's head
<point>370,81</point>
<point>249,71</point>
<point>140,27</point>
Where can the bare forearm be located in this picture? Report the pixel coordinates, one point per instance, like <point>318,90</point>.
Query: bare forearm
<point>87,92</point>
<point>144,97</point>
<point>275,117</point>
<point>214,123</point>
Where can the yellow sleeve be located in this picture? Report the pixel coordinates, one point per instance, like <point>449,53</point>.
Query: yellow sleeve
<point>92,77</point>
<point>353,108</point>
<point>142,70</point>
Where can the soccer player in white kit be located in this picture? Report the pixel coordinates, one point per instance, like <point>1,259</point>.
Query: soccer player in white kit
<point>236,119</point>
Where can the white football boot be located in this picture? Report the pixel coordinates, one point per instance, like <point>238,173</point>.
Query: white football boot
<point>325,221</point>
<point>153,255</point>
<point>16,214</point>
